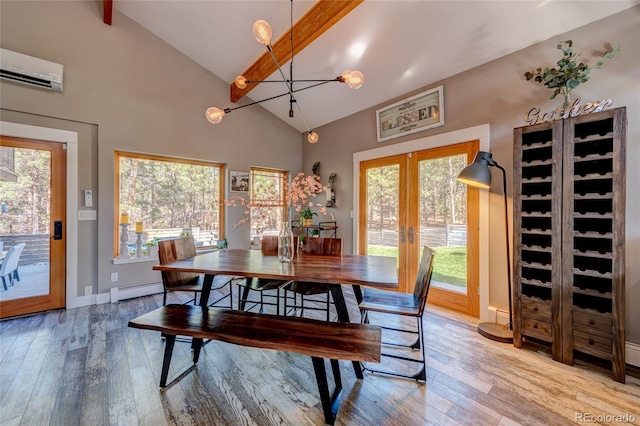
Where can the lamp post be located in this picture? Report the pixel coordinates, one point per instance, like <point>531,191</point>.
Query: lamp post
<point>477,174</point>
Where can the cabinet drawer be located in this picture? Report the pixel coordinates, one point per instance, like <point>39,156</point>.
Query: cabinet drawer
<point>536,309</point>
<point>587,321</point>
<point>536,328</point>
<point>596,345</point>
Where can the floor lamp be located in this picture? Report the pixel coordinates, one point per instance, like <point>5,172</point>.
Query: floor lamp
<point>477,174</point>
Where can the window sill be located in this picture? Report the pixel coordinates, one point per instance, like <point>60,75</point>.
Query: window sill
<point>118,261</point>
<point>133,259</point>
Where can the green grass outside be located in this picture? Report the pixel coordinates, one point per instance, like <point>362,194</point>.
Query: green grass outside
<point>449,266</point>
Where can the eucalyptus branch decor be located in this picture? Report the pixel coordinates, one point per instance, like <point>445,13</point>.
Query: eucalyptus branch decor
<point>569,73</point>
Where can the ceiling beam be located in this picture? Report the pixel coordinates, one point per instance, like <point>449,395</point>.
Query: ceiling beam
<point>107,10</point>
<point>322,16</point>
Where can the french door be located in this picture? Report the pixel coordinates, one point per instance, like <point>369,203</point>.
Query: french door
<point>33,197</point>
<point>411,200</point>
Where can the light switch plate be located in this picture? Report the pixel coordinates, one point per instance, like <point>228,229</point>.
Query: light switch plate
<point>87,215</point>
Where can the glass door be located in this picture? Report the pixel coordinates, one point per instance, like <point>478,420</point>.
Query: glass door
<point>411,200</point>
<point>32,228</point>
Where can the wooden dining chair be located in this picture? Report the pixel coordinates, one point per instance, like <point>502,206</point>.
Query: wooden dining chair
<point>269,290</point>
<point>403,304</point>
<point>307,290</point>
<point>184,248</point>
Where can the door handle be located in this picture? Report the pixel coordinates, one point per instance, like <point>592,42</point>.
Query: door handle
<point>411,234</point>
<point>402,237</point>
<point>57,230</point>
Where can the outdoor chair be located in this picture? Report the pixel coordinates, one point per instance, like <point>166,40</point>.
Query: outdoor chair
<point>9,267</point>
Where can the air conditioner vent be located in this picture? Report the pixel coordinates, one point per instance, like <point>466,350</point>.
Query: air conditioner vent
<point>32,71</point>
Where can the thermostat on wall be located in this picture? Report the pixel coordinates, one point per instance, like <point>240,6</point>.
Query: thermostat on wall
<point>88,198</point>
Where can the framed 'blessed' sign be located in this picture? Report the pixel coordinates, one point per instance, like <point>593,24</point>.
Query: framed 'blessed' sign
<point>415,114</point>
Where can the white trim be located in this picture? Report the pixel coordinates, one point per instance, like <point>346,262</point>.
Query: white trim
<point>481,133</point>
<point>632,354</point>
<point>71,139</point>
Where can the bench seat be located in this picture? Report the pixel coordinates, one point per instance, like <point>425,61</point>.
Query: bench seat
<point>319,339</point>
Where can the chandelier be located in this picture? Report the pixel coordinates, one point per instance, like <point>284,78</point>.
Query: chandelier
<point>262,33</point>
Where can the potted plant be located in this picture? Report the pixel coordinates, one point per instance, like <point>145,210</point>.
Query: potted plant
<point>306,216</point>
<point>568,74</point>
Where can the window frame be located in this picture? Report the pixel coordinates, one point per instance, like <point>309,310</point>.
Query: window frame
<point>284,180</point>
<point>168,159</point>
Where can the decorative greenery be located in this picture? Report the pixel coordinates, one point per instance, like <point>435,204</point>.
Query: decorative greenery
<point>307,213</point>
<point>569,74</point>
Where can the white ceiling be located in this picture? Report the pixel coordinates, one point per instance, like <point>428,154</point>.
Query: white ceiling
<point>404,45</point>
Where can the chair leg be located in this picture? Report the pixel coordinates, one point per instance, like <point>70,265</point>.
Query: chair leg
<point>164,299</point>
<point>16,275</point>
<point>4,283</point>
<point>419,345</point>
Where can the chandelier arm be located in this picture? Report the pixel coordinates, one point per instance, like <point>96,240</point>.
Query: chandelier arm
<point>338,79</point>
<point>228,110</point>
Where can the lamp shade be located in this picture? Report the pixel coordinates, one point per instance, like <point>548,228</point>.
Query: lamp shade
<point>477,173</point>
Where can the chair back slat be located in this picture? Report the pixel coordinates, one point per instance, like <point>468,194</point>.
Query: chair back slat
<point>172,250</point>
<point>270,245</point>
<point>423,280</point>
<point>325,246</point>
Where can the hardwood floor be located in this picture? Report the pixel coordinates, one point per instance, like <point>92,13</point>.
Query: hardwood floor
<point>86,367</point>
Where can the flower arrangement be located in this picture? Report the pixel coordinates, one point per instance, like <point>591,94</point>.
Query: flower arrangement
<point>568,74</point>
<point>298,195</point>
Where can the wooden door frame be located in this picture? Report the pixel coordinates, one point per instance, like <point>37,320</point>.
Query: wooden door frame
<point>464,302</point>
<point>71,139</point>
<point>480,133</point>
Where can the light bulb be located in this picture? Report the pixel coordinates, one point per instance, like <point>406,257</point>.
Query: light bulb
<point>262,32</point>
<point>312,137</point>
<point>214,115</point>
<point>346,75</point>
<point>356,80</point>
<point>241,82</point>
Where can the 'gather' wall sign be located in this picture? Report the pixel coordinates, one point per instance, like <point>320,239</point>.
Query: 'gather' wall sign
<point>534,117</point>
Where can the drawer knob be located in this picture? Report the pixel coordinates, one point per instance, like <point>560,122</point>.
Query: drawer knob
<point>535,326</point>
<point>591,342</point>
<point>591,322</point>
<point>535,309</point>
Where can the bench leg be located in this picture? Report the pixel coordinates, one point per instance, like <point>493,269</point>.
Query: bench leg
<point>170,341</point>
<point>331,403</point>
<point>343,316</point>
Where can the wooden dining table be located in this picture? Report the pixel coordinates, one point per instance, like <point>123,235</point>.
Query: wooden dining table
<point>354,270</point>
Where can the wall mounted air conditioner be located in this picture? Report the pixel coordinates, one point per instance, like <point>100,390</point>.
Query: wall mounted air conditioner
<point>32,71</point>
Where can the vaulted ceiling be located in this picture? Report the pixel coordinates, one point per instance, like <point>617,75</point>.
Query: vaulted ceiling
<point>400,46</point>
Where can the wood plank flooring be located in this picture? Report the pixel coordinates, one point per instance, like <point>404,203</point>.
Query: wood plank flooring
<point>86,367</point>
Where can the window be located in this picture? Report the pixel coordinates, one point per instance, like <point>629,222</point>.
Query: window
<point>268,206</point>
<point>170,196</point>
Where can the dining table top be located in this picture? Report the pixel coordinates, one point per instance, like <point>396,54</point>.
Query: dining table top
<point>372,271</point>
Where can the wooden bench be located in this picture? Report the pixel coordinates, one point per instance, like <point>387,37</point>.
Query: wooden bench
<point>319,339</point>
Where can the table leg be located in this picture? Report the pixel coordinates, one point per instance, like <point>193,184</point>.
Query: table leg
<point>343,316</point>
<point>206,290</point>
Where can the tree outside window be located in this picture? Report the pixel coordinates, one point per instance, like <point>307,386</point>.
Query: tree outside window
<point>170,196</point>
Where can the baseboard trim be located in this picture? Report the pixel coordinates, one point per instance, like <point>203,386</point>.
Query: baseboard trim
<point>117,294</point>
<point>632,350</point>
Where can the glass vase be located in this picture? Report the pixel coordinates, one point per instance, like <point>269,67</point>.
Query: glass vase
<point>285,244</point>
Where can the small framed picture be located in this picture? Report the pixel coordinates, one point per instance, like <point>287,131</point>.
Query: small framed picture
<point>239,181</point>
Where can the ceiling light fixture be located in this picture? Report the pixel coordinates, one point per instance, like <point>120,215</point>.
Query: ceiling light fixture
<point>262,33</point>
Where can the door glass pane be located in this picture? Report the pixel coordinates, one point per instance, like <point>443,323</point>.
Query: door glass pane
<point>383,201</point>
<point>25,195</point>
<point>442,220</point>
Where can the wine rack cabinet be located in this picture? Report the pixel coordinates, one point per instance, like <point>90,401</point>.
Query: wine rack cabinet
<point>569,221</point>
